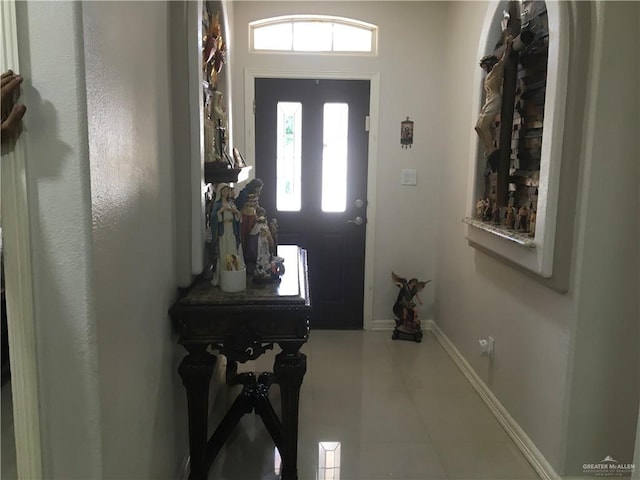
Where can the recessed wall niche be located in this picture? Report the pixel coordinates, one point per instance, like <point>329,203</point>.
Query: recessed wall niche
<point>513,194</point>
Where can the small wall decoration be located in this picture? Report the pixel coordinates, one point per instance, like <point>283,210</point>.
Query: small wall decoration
<point>406,133</point>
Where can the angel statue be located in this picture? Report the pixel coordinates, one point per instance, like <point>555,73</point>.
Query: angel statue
<point>408,326</point>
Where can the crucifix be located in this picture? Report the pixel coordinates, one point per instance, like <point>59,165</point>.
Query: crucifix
<point>500,93</point>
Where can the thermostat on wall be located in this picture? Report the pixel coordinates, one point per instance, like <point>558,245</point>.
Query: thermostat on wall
<point>408,177</point>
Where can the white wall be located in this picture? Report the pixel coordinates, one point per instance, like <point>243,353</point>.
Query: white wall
<point>100,177</point>
<point>55,138</point>
<point>410,59</point>
<point>604,378</point>
<point>479,296</point>
<point>549,345</point>
<point>131,157</point>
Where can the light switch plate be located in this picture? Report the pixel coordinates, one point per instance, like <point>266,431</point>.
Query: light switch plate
<point>409,177</point>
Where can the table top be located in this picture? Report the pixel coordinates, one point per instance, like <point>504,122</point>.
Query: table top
<point>292,287</point>
<point>264,312</point>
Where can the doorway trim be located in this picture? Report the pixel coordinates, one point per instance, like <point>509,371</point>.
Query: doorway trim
<point>16,232</point>
<point>250,76</point>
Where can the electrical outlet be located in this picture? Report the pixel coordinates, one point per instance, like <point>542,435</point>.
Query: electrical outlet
<point>487,346</point>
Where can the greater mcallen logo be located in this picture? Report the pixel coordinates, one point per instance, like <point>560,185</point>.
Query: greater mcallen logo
<point>608,467</point>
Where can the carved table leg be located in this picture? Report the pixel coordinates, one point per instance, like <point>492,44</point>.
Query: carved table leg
<point>289,368</point>
<point>196,370</point>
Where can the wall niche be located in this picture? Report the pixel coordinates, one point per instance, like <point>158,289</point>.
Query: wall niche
<point>222,163</point>
<point>513,192</point>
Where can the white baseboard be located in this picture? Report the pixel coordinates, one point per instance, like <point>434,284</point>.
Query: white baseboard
<point>542,467</point>
<point>388,325</point>
<point>381,325</point>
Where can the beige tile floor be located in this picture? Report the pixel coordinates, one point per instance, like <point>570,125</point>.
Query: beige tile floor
<point>400,410</point>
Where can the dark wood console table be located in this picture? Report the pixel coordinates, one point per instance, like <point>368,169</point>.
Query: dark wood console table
<point>242,326</point>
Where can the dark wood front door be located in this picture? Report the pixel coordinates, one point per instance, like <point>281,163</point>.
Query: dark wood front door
<point>311,153</point>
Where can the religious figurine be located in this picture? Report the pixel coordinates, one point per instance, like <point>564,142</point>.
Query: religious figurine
<point>213,47</point>
<point>480,208</point>
<point>219,118</point>
<point>225,233</point>
<point>486,214</point>
<point>247,202</point>
<point>258,236</point>
<point>209,129</point>
<point>521,219</point>
<point>268,267</point>
<point>511,217</point>
<point>273,228</point>
<point>532,223</point>
<point>495,213</point>
<point>485,126</point>
<point>238,159</point>
<point>408,327</point>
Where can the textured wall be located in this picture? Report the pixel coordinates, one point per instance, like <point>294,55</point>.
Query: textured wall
<point>131,160</point>
<point>55,137</point>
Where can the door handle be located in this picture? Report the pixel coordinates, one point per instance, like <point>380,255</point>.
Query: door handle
<point>356,221</point>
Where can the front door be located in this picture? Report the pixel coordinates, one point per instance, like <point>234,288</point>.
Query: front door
<point>311,153</point>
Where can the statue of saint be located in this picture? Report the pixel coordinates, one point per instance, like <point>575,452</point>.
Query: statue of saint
<point>225,230</point>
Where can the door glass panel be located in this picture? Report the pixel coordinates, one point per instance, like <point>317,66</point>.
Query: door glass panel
<point>289,156</point>
<point>334,157</point>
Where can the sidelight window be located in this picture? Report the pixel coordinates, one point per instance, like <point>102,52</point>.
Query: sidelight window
<point>289,154</point>
<point>334,156</point>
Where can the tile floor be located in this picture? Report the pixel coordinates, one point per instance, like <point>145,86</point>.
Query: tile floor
<point>400,410</point>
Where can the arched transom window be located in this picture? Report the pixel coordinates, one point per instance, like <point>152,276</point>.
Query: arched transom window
<point>313,33</point>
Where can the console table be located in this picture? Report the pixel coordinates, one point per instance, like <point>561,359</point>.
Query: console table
<point>242,326</point>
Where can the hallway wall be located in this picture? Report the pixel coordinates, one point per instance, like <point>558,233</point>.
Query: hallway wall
<point>558,355</point>
<point>100,180</point>
<point>131,160</point>
<point>59,197</point>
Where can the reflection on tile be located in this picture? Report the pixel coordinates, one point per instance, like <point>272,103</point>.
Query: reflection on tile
<point>406,460</point>
<point>329,460</point>
<point>398,410</point>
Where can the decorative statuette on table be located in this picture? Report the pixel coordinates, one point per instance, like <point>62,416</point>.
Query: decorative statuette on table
<point>257,236</point>
<point>230,271</point>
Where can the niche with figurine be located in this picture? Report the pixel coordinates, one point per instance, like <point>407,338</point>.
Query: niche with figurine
<point>222,162</point>
<point>515,170</point>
